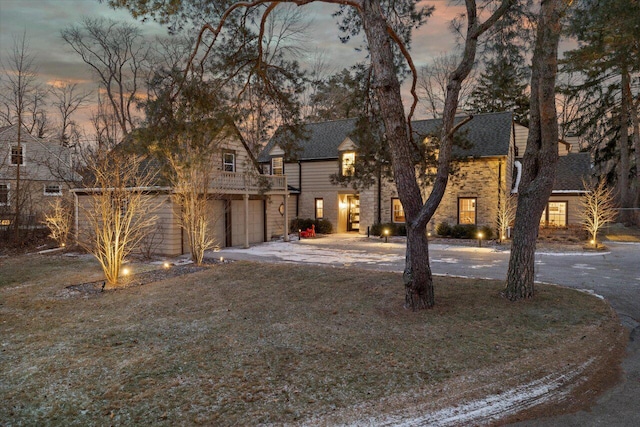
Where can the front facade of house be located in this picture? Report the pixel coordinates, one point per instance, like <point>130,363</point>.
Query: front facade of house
<point>489,170</point>
<point>244,207</point>
<point>44,170</point>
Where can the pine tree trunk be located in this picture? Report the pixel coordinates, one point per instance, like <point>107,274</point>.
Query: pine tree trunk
<point>417,274</point>
<point>541,154</point>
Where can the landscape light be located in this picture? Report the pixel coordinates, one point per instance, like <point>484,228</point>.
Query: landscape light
<point>386,235</point>
<point>221,259</point>
<point>480,236</point>
<point>593,242</point>
<point>166,265</point>
<point>63,245</point>
<point>125,271</point>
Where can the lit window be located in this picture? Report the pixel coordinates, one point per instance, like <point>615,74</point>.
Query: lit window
<point>52,190</point>
<point>398,211</point>
<point>229,162</point>
<point>319,208</point>
<point>17,155</point>
<point>467,210</point>
<point>277,166</point>
<point>554,215</point>
<point>4,194</point>
<point>348,163</point>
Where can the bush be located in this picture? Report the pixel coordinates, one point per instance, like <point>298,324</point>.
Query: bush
<point>394,229</point>
<point>464,231</point>
<point>443,229</point>
<point>487,231</point>
<point>323,226</point>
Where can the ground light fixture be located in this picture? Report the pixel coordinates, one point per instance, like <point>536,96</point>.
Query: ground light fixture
<point>386,235</point>
<point>166,265</point>
<point>126,271</point>
<point>480,237</point>
<point>593,242</point>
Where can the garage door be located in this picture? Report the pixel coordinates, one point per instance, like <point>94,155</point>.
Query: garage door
<point>256,222</point>
<point>216,221</point>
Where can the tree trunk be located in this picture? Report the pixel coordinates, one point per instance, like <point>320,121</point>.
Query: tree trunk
<point>417,273</point>
<point>541,154</point>
<point>636,145</point>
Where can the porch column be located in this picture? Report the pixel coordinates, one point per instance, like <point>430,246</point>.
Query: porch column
<point>246,221</point>
<point>286,217</point>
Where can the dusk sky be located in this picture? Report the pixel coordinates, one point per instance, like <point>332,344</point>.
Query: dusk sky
<point>43,21</point>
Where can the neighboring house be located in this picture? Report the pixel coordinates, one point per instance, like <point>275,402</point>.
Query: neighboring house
<point>489,170</point>
<point>244,206</point>
<point>46,174</point>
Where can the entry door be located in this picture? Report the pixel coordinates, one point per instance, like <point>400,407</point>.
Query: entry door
<point>353,213</point>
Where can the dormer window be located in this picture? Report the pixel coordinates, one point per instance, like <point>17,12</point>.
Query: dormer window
<point>347,165</point>
<point>277,166</point>
<point>229,161</point>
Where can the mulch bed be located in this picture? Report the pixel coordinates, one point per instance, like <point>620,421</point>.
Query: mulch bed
<point>96,288</point>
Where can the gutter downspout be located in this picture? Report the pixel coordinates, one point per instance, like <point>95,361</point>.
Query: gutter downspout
<point>379,195</point>
<point>76,209</point>
<point>299,188</point>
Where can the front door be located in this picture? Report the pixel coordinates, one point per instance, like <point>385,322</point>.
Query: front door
<point>353,213</point>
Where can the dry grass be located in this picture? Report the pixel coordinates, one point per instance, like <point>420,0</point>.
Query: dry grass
<point>620,233</point>
<point>248,344</point>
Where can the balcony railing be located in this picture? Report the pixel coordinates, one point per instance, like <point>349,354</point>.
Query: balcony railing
<point>245,183</point>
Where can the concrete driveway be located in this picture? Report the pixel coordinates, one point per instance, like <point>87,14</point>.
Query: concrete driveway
<point>614,274</point>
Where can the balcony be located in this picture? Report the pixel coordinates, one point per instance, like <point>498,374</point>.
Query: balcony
<point>239,183</point>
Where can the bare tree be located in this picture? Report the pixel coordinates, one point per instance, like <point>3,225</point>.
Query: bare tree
<point>59,220</point>
<point>117,54</point>
<point>506,214</point>
<point>67,100</point>
<point>119,210</point>
<point>21,96</point>
<point>541,154</point>
<point>433,80</point>
<point>599,208</point>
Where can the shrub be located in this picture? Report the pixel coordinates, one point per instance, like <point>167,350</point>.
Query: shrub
<point>443,229</point>
<point>487,231</point>
<point>464,231</point>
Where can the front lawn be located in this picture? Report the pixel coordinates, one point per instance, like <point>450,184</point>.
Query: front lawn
<point>246,343</point>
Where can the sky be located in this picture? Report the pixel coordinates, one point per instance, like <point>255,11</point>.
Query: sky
<point>43,20</point>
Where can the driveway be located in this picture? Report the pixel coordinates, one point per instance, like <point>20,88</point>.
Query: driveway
<point>614,274</point>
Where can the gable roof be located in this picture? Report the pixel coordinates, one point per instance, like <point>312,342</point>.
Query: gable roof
<point>489,134</point>
<point>570,170</point>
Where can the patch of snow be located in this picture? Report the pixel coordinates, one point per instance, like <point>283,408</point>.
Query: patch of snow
<point>498,406</point>
<point>446,260</point>
<point>583,267</point>
<point>573,253</point>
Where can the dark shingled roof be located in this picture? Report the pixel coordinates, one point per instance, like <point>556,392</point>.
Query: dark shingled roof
<point>570,170</point>
<point>488,133</point>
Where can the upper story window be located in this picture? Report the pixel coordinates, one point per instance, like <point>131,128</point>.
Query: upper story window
<point>467,210</point>
<point>53,190</point>
<point>229,161</point>
<point>17,155</point>
<point>277,166</point>
<point>347,165</point>
<point>397,211</point>
<point>4,194</point>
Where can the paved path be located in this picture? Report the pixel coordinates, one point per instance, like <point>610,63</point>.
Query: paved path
<point>614,274</point>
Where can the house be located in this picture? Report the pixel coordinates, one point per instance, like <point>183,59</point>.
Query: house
<point>43,168</point>
<point>489,170</point>
<point>244,206</point>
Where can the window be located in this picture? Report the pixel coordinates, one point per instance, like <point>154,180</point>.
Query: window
<point>277,166</point>
<point>52,190</point>
<point>4,194</point>
<point>467,210</point>
<point>347,166</point>
<point>397,214</point>
<point>266,169</point>
<point>229,161</point>
<point>17,155</point>
<point>554,215</point>
<point>319,208</point>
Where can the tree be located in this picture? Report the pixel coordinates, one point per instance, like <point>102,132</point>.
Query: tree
<point>119,210</point>
<point>117,54</point>
<point>541,154</point>
<point>598,208</point>
<point>387,26</point>
<point>21,94</point>
<point>340,96</point>
<point>608,62</point>
<point>506,214</point>
<point>433,82</point>
<point>502,85</point>
<point>59,219</point>
<point>67,100</point>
